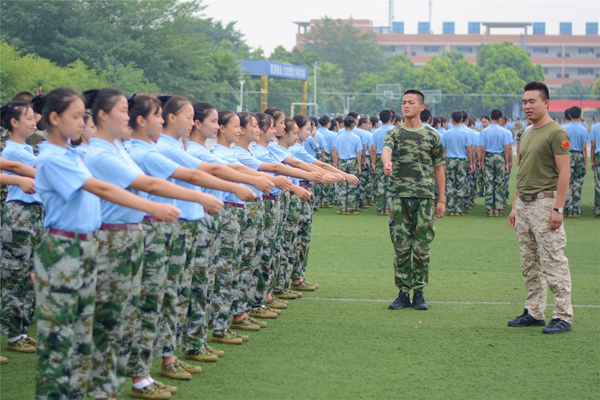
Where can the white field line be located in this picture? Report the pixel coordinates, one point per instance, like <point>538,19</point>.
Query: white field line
<point>477,303</point>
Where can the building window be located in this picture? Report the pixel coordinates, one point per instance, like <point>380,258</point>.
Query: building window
<point>545,71</point>
<point>431,49</point>
<point>539,28</point>
<point>566,28</point>
<point>586,50</point>
<point>423,28</point>
<point>448,28</point>
<point>591,28</point>
<point>464,49</point>
<point>585,71</point>
<point>540,50</point>
<point>474,28</point>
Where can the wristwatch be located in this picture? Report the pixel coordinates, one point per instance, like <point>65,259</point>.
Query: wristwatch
<point>558,210</point>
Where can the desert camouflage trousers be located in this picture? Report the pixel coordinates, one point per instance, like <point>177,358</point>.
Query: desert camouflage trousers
<point>204,264</point>
<point>456,180</point>
<point>21,233</point>
<point>573,201</point>
<point>494,181</point>
<point>157,244</point>
<point>543,261</point>
<point>348,193</point>
<point>65,290</point>
<point>252,242</point>
<point>382,193</point>
<point>412,229</point>
<point>269,260</point>
<point>597,184</point>
<point>117,297</point>
<point>304,238</point>
<point>226,270</point>
<point>177,291</point>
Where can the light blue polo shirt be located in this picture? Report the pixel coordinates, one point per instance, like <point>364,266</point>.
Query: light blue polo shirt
<point>82,149</point>
<point>245,157</point>
<point>578,135</point>
<point>509,136</point>
<point>174,151</point>
<point>595,136</point>
<point>494,139</point>
<point>22,153</point>
<point>153,163</point>
<point>202,153</point>
<point>456,140</point>
<point>280,153</point>
<point>59,179</point>
<point>328,139</point>
<point>311,146</point>
<point>227,154</point>
<point>298,152</point>
<point>348,144</point>
<point>106,163</point>
<point>321,142</point>
<point>379,136</point>
<point>264,155</point>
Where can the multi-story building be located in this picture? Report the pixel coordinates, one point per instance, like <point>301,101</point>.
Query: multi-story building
<point>565,57</point>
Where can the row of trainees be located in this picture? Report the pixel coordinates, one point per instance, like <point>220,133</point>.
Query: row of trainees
<point>142,251</point>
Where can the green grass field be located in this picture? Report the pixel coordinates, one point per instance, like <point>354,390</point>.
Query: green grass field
<point>341,342</point>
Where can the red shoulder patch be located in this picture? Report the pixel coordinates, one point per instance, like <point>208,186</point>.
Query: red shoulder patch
<point>566,144</point>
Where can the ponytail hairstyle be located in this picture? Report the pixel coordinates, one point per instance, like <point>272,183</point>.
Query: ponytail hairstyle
<point>313,121</point>
<point>301,120</point>
<point>289,125</point>
<point>225,116</point>
<point>14,109</point>
<point>363,120</point>
<point>348,121</point>
<point>172,105</point>
<point>86,117</point>
<point>58,100</point>
<point>334,124</point>
<point>101,99</point>
<point>275,112</point>
<point>324,120</point>
<point>265,121</point>
<point>201,110</point>
<point>246,118</point>
<point>141,105</point>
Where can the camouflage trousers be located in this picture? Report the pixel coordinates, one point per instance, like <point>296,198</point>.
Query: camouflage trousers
<point>348,195</point>
<point>304,238</point>
<point>252,244</point>
<point>494,180</point>
<point>597,184</point>
<point>412,229</point>
<point>226,270</point>
<point>383,195</point>
<point>282,259</point>
<point>365,188</point>
<point>65,290</point>
<point>543,261</point>
<point>573,201</point>
<point>506,186</point>
<point>328,191</point>
<point>290,242</point>
<point>204,264</point>
<point>177,291</point>
<point>269,260</point>
<point>157,244</point>
<point>118,265</point>
<point>21,233</point>
<point>456,180</point>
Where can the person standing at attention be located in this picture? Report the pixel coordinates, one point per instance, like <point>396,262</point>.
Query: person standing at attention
<point>413,158</point>
<point>537,214</point>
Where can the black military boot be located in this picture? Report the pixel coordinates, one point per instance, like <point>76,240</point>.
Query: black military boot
<point>402,301</point>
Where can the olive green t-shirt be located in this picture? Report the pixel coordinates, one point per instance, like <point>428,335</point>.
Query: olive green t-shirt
<point>538,172</point>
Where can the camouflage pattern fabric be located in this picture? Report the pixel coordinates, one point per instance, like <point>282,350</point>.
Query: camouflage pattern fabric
<point>383,199</point>
<point>304,239</point>
<point>328,190</point>
<point>573,201</point>
<point>542,259</point>
<point>412,230</point>
<point>177,291</point>
<point>494,180</point>
<point>364,182</point>
<point>269,260</point>
<point>279,279</point>
<point>289,243</point>
<point>157,244</point>
<point>252,225</point>
<point>456,176</point>
<point>597,184</point>
<point>119,259</point>
<point>21,233</point>
<point>225,273</point>
<point>65,288</point>
<point>348,193</point>
<point>204,264</point>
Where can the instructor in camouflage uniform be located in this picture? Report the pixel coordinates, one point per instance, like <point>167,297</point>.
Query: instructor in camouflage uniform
<point>413,158</point>
<point>537,214</point>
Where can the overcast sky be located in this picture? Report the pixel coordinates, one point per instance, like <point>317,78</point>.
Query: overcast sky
<point>269,23</point>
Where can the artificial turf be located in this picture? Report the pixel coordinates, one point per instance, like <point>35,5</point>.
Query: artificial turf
<point>341,342</point>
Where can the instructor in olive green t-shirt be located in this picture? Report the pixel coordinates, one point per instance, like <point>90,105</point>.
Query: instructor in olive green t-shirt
<point>536,216</point>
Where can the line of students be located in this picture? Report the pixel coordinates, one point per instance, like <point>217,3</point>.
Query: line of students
<point>147,242</point>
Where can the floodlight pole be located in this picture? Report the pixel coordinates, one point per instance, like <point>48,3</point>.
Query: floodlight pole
<point>242,95</point>
<point>315,65</point>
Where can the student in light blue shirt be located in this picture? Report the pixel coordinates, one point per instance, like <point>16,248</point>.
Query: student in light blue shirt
<point>382,190</point>
<point>578,138</point>
<point>21,230</point>
<point>595,155</point>
<point>82,145</point>
<point>349,148</point>
<point>72,217</point>
<point>457,142</point>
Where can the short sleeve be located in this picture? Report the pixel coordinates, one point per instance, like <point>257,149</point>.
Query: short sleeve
<point>560,143</point>
<point>389,140</point>
<point>159,166</point>
<point>74,172</point>
<point>248,159</point>
<point>301,154</point>
<point>437,152</point>
<point>113,169</point>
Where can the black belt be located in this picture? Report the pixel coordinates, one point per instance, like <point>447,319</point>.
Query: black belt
<point>532,197</point>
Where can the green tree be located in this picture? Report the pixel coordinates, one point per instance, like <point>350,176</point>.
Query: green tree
<point>574,88</point>
<point>596,87</point>
<point>503,81</point>
<point>492,57</point>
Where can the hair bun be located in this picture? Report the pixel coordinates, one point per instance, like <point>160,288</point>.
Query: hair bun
<point>90,97</point>
<point>37,103</point>
<point>163,98</point>
<point>130,100</point>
